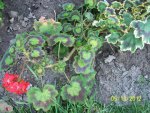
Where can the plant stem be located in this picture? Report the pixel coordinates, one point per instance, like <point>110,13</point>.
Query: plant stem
<point>69,56</point>
<point>59,50</point>
<point>66,77</point>
<point>23,68</point>
<point>65,58</point>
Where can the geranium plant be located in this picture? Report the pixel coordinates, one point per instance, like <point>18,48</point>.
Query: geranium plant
<point>76,35</point>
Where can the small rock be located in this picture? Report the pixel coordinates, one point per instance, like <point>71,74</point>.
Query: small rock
<point>109,59</point>
<point>146,76</point>
<point>9,29</point>
<point>26,19</point>
<point>31,15</point>
<point>20,17</point>
<point>13,14</point>
<point>24,24</point>
<point>11,20</point>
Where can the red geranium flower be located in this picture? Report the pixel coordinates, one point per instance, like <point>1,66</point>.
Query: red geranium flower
<point>12,83</point>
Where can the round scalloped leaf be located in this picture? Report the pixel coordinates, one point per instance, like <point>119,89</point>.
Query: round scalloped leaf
<point>39,70</point>
<point>5,108</point>
<point>109,11</point>
<point>75,91</point>
<point>59,67</point>
<point>95,43</point>
<point>66,40</point>
<point>12,50</point>
<point>34,41</point>
<point>80,66</point>
<point>90,3</point>
<point>47,26</point>
<point>67,27</point>
<point>79,42</point>
<point>20,41</point>
<point>89,16</point>
<point>37,52</point>
<point>127,18</point>
<point>93,33</point>
<point>68,6</point>
<point>90,80</point>
<point>63,15</point>
<point>112,19</point>
<point>128,4</point>
<point>142,29</point>
<point>9,60</point>
<point>113,38</point>
<point>42,99</point>
<point>131,43</point>
<point>75,16</point>
<point>77,31</point>
<point>87,55</point>
<point>101,6</point>
<point>116,5</point>
<point>100,23</point>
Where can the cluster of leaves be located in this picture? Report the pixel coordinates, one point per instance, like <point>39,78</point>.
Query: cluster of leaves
<point>1,8</point>
<point>78,34</point>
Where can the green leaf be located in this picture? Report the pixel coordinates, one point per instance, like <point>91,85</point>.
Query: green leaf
<point>128,4</point>
<point>63,50</point>
<point>113,38</point>
<point>66,40</point>
<point>116,5</point>
<point>142,29</point>
<point>67,27</point>
<point>68,6</point>
<point>77,31</point>
<point>12,50</point>
<point>95,42</point>
<point>9,60</point>
<point>34,41</point>
<point>112,19</point>
<point>80,66</point>
<point>47,26</point>
<point>42,99</point>
<point>59,67</point>
<point>74,89</point>
<point>74,92</point>
<point>2,5</point>
<point>131,43</point>
<point>86,55</point>
<point>90,3</point>
<point>79,42</point>
<point>101,6</point>
<point>75,16</point>
<point>39,70</point>
<point>89,16</point>
<point>20,41</point>
<point>37,52</point>
<point>101,23</point>
<point>109,11</point>
<point>127,18</point>
<point>63,15</point>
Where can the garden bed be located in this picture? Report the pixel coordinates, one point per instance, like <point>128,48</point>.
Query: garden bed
<point>120,75</point>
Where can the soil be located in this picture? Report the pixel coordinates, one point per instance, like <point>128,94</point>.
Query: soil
<point>118,73</point>
<point>126,76</point>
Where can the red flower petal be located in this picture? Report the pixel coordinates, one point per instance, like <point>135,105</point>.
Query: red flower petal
<point>11,84</point>
<point>8,79</point>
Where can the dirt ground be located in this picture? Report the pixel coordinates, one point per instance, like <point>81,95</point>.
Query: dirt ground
<point>118,73</point>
